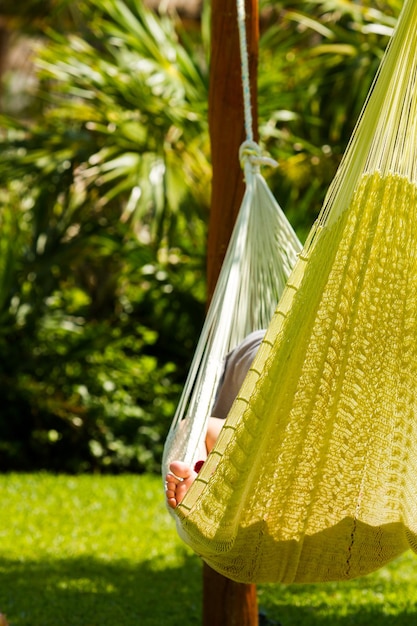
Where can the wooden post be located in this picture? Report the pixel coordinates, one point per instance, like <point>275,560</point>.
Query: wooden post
<point>226,603</point>
<point>226,121</point>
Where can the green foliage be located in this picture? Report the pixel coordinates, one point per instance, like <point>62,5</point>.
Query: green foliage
<point>28,11</point>
<point>104,200</point>
<point>91,550</point>
<point>317,64</point>
<point>89,375</point>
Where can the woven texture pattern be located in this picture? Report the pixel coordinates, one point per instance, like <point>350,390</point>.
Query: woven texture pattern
<point>330,491</point>
<point>314,476</point>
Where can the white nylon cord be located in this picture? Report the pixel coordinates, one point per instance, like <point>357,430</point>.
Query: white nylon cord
<point>244,58</point>
<point>250,152</point>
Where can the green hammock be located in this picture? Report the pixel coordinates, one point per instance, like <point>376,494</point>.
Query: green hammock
<point>314,476</point>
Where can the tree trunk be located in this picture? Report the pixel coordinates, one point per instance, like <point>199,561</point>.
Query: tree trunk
<point>226,603</point>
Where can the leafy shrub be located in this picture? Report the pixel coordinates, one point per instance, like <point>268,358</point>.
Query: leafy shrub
<point>104,197</point>
<point>100,300</point>
<point>90,372</point>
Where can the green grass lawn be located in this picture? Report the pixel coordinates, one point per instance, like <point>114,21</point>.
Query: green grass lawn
<point>103,551</point>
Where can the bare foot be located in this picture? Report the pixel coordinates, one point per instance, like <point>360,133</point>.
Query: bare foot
<point>178,482</point>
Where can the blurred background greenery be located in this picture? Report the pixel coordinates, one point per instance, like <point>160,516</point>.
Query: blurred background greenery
<point>105,196</point>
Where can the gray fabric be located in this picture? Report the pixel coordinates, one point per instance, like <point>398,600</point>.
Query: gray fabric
<point>237,364</point>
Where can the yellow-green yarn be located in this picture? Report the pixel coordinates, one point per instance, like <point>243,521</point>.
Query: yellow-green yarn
<point>317,479</point>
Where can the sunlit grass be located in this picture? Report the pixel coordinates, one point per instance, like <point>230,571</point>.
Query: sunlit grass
<point>103,551</point>
<point>92,551</point>
<point>386,598</point>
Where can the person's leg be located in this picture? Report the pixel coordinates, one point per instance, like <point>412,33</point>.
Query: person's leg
<point>181,475</point>
<point>214,426</point>
<point>236,367</point>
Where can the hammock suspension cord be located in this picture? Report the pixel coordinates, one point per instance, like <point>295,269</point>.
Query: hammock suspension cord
<point>249,151</point>
<point>244,58</point>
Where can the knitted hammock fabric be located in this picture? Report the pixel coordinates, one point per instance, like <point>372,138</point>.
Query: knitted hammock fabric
<point>314,475</point>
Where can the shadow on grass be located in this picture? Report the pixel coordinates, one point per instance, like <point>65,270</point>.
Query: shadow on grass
<point>360,602</point>
<point>291,615</point>
<point>88,592</point>
<point>85,591</point>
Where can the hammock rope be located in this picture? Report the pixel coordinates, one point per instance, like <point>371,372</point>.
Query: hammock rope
<point>314,475</point>
<point>244,57</point>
